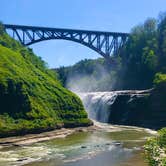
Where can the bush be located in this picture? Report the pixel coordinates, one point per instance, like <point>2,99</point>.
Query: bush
<point>159,79</point>
<point>155,149</point>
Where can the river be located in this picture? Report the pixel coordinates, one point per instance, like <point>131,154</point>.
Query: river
<point>108,145</point>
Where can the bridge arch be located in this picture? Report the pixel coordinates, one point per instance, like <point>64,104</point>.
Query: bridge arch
<point>69,39</point>
<point>104,43</point>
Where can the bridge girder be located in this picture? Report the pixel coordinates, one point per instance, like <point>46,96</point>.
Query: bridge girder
<point>105,43</point>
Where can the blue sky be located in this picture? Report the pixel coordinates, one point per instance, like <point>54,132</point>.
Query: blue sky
<point>105,15</point>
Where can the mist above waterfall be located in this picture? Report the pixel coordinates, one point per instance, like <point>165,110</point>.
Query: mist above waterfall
<point>91,76</point>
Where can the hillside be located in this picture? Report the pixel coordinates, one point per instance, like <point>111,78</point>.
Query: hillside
<point>31,98</point>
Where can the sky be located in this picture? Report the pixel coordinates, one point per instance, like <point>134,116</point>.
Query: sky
<point>104,15</point>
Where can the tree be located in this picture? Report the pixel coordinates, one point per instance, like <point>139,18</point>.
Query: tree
<point>141,56</point>
<point>162,41</point>
<point>1,29</point>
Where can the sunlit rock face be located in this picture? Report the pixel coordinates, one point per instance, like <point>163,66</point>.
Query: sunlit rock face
<point>122,107</point>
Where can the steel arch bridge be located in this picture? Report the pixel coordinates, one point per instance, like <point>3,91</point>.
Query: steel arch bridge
<point>104,43</point>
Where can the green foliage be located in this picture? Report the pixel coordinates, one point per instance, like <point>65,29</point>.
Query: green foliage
<point>155,149</point>
<point>31,98</point>
<point>140,56</point>
<point>162,138</point>
<point>159,79</point>
<point>149,59</point>
<point>1,29</point>
<point>162,41</point>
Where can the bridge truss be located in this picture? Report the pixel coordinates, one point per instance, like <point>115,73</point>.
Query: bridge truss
<point>104,43</point>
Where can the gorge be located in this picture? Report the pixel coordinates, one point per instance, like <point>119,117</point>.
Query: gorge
<point>91,113</point>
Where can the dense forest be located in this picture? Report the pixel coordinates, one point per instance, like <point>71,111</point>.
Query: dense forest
<point>31,97</point>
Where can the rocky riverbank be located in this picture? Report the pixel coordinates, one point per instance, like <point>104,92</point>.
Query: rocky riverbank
<point>45,136</point>
<point>30,139</point>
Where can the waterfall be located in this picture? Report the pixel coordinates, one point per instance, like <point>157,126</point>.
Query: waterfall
<point>98,104</point>
<point>101,106</point>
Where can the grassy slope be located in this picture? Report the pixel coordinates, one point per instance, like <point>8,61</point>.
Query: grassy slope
<point>31,99</point>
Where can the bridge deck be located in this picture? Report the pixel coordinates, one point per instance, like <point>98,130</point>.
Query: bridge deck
<point>105,43</point>
<point>63,29</point>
